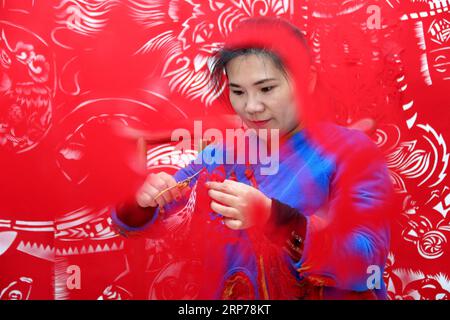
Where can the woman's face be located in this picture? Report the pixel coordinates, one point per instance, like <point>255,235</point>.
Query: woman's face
<point>261,93</point>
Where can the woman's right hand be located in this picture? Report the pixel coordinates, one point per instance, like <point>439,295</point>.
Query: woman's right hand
<point>153,185</point>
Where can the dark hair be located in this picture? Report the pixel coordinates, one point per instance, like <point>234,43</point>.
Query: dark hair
<point>231,51</point>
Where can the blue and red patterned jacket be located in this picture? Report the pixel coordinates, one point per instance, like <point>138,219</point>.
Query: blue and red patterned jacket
<point>329,232</point>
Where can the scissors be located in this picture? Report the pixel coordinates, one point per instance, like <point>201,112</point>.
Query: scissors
<point>180,185</point>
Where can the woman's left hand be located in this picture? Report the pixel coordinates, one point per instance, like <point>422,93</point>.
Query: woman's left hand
<point>242,206</point>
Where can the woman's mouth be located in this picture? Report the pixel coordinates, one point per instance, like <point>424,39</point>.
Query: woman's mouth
<point>259,123</point>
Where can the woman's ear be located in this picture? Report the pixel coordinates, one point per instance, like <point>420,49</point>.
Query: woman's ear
<point>312,81</point>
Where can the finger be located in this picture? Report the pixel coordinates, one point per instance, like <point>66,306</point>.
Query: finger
<point>172,183</point>
<point>149,191</point>
<point>144,200</point>
<point>233,187</point>
<point>224,198</point>
<point>227,186</point>
<point>160,200</point>
<point>233,223</point>
<point>214,185</point>
<point>145,196</point>
<point>225,211</point>
<point>161,186</point>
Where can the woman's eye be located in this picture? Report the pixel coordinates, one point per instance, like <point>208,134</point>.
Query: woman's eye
<point>267,89</point>
<point>238,93</point>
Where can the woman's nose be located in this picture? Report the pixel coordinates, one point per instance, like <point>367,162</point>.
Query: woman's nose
<point>254,105</point>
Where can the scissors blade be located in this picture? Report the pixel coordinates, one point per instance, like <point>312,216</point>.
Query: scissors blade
<point>193,176</point>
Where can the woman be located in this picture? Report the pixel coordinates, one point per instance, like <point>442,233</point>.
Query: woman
<point>318,227</point>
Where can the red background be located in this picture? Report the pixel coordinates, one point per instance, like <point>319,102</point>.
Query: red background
<point>70,65</point>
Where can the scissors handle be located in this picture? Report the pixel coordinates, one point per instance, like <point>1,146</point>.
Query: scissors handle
<point>180,185</point>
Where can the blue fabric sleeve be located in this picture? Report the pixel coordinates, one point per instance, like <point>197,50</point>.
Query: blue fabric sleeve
<point>353,232</point>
